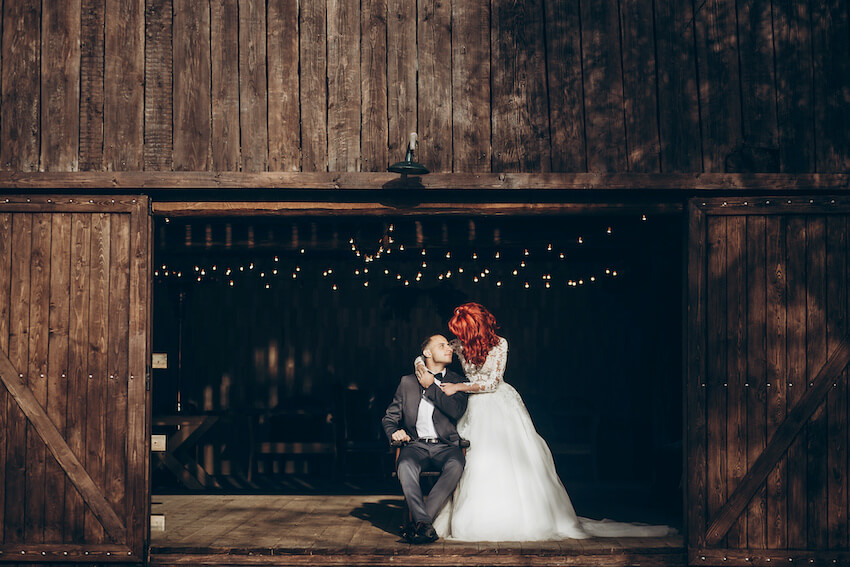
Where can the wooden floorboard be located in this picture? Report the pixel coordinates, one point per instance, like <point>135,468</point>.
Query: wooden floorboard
<point>356,530</point>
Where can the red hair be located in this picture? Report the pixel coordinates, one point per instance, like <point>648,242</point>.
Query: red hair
<point>476,329</point>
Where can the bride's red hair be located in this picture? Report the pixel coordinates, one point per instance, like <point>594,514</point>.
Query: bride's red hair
<point>476,329</point>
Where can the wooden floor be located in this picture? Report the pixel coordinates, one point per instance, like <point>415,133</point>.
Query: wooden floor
<point>355,530</point>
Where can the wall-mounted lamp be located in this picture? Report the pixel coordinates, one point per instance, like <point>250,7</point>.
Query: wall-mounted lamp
<point>408,166</point>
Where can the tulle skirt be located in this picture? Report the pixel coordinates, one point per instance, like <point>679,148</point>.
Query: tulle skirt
<point>510,490</point>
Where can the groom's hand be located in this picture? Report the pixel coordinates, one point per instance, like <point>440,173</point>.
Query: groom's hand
<point>401,435</point>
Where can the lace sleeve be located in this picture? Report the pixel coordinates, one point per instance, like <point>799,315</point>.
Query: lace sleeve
<point>489,375</point>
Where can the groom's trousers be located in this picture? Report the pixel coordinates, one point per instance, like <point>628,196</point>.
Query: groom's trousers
<point>417,456</point>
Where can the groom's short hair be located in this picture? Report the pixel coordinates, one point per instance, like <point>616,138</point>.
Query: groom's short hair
<point>426,342</point>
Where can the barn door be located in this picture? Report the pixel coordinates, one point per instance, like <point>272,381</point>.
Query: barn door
<point>74,299</point>
<point>767,392</point>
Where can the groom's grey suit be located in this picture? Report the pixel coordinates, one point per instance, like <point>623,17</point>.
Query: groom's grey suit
<point>445,455</point>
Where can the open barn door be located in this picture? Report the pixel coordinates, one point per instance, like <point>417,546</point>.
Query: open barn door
<point>74,312</point>
<point>767,392</point>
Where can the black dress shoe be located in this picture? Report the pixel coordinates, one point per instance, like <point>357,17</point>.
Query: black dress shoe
<point>425,533</point>
<point>407,531</point>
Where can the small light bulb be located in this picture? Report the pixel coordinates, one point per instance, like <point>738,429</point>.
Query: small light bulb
<point>268,286</point>
<point>580,240</point>
<point>561,255</point>
<point>366,284</point>
<point>475,279</point>
<point>460,270</point>
<point>609,230</point>
<point>406,282</point>
<point>231,283</point>
<point>549,248</point>
<point>423,251</point>
<point>302,250</point>
<point>526,285</point>
<point>498,255</point>
<point>547,285</point>
<point>643,217</point>
<point>498,284</point>
<point>448,255</point>
<point>276,259</point>
<point>474,255</point>
<point>514,272</point>
<point>522,264</point>
<point>401,247</point>
<point>335,288</point>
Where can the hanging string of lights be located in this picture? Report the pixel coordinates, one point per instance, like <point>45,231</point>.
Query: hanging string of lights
<point>390,262</point>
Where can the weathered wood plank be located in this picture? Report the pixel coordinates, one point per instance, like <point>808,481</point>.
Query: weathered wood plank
<point>224,45</point>
<point>19,315</point>
<point>344,99</point>
<point>837,433</point>
<point>776,379</point>
<point>758,84</point>
<point>91,84</point>
<point>138,399</point>
<point>792,427</point>
<point>159,84</point>
<point>719,88</point>
<point>57,370</point>
<point>816,356</point>
<point>284,110</point>
<point>796,377</point>
<point>744,184</point>
<point>314,91</point>
<point>695,390</point>
<point>678,100</point>
<point>640,89</point>
<point>373,86</point>
<point>5,326</point>
<point>78,335</point>
<point>36,371</point>
<point>96,401</point>
<point>434,108</point>
<point>402,97</point>
<point>124,85</point>
<point>19,112</point>
<point>24,399</point>
<point>520,107</point>
<point>792,38</point>
<point>566,91</point>
<point>253,112</point>
<point>60,85</point>
<point>603,86</point>
<point>192,104</point>
<point>831,66</point>
<point>117,379</point>
<point>754,385</point>
<point>470,84</point>
<point>736,367</point>
<point>716,370</point>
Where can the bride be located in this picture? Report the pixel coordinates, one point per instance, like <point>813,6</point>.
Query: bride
<point>509,490</point>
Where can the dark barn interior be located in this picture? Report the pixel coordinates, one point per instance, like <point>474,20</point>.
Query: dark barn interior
<point>293,333</point>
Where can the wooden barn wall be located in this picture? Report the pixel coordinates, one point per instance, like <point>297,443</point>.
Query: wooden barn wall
<point>490,85</point>
<point>777,309</point>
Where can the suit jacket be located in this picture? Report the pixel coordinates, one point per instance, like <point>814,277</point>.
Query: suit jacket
<point>404,408</point>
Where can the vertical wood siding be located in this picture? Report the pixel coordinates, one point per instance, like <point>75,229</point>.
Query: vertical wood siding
<point>67,288</point>
<point>776,310</point>
<point>490,85</point>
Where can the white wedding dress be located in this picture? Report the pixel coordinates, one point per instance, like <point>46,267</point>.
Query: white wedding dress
<point>510,490</point>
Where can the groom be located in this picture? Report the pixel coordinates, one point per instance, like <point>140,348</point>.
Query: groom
<point>425,419</point>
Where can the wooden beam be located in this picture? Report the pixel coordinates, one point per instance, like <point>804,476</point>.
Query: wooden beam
<point>69,553</point>
<point>66,458</point>
<point>679,182</point>
<point>793,424</point>
<point>276,208</point>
